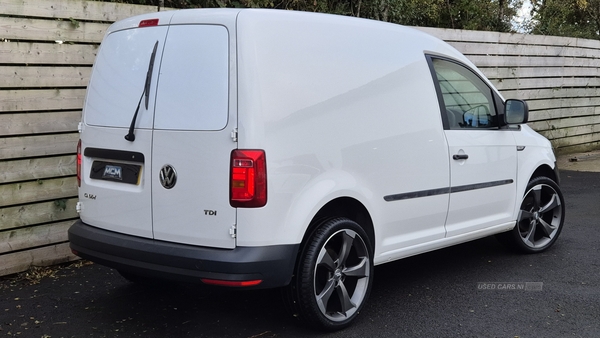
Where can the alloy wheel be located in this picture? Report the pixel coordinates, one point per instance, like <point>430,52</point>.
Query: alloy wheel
<point>540,217</point>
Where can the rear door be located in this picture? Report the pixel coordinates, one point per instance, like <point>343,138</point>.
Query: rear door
<point>192,141</point>
<point>116,190</point>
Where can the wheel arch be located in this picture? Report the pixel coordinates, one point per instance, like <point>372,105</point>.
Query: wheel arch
<point>338,208</point>
<point>525,236</point>
<point>546,171</point>
<point>347,207</point>
<point>543,168</point>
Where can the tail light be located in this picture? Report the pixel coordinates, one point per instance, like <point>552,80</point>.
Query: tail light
<point>248,184</point>
<point>79,163</point>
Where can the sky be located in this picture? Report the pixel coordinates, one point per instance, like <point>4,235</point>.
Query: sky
<point>522,14</point>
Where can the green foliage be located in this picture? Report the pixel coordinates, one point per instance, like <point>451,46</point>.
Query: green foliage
<point>74,23</point>
<point>491,15</point>
<point>61,204</point>
<point>575,18</point>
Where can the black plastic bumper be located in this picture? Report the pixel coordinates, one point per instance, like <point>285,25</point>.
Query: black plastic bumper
<point>273,265</point>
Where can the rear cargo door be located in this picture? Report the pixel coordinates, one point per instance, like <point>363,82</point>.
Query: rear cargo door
<point>116,191</point>
<point>192,139</point>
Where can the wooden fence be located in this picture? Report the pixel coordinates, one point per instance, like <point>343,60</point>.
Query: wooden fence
<point>46,52</point>
<point>557,76</point>
<point>47,48</point>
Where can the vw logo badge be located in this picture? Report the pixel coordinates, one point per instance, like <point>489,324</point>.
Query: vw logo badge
<point>167,176</point>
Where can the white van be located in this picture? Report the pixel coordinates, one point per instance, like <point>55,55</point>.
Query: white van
<point>265,148</point>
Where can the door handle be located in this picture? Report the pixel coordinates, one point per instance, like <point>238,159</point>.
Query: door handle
<point>460,157</point>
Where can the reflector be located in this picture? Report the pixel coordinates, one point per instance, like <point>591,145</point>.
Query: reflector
<point>231,283</point>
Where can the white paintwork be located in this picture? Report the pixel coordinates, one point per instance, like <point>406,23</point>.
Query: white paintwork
<point>116,206</point>
<point>441,243</point>
<point>343,107</point>
<point>492,157</point>
<point>202,164</point>
<point>537,152</point>
<point>333,129</point>
<point>193,77</point>
<point>193,97</point>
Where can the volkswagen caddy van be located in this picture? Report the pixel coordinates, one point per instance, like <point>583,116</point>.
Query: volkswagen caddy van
<point>268,148</point>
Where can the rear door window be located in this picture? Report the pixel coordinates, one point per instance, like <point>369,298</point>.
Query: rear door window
<point>193,85</point>
<point>119,77</point>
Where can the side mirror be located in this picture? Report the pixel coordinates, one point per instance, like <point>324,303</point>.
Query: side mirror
<point>515,112</point>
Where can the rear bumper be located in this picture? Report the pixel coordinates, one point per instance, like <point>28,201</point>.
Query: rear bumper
<point>272,264</point>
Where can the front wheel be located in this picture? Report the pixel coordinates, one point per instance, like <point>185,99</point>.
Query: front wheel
<point>540,219</point>
<point>334,275</point>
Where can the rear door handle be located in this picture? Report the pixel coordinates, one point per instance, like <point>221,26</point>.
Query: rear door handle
<point>460,157</point>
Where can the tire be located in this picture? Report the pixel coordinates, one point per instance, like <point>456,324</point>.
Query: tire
<point>334,275</point>
<point>540,220</point>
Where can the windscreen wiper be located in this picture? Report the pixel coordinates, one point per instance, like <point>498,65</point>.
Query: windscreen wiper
<point>131,136</point>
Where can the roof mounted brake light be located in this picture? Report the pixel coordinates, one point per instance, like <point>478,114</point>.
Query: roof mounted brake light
<point>148,23</point>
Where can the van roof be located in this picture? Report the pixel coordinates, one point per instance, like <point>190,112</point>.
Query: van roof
<point>217,15</point>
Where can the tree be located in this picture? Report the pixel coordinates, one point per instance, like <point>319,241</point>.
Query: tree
<point>575,18</point>
<point>490,15</point>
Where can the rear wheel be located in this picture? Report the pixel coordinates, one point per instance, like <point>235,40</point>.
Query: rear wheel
<point>540,219</point>
<point>334,275</point>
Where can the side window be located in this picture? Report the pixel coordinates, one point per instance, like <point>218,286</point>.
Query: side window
<point>467,101</point>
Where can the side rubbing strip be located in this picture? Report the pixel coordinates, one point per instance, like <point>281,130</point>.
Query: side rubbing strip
<point>116,155</point>
<point>479,186</point>
<point>441,191</point>
<point>416,194</point>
